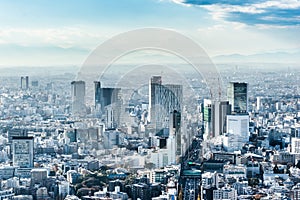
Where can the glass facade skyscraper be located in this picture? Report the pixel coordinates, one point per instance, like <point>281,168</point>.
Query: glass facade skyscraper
<point>238,97</point>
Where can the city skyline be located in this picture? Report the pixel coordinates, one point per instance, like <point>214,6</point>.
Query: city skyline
<point>100,153</point>
<point>150,100</point>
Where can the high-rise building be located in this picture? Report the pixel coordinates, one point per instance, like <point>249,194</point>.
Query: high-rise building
<point>22,151</point>
<point>163,99</point>
<point>220,109</point>
<point>78,97</point>
<point>154,88</point>
<point>98,93</point>
<point>165,113</point>
<point>105,96</point>
<point>238,97</point>
<point>174,140</point>
<point>214,117</point>
<point>206,114</point>
<point>24,82</point>
<point>238,125</point>
<point>108,102</point>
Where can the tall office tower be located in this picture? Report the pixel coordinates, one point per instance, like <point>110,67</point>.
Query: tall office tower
<point>24,82</point>
<point>163,99</point>
<point>206,110</point>
<point>238,125</point>
<point>106,96</point>
<point>238,97</point>
<point>78,97</point>
<point>22,151</point>
<point>220,109</point>
<point>154,88</point>
<point>110,96</point>
<point>108,101</point>
<point>174,144</point>
<point>98,93</point>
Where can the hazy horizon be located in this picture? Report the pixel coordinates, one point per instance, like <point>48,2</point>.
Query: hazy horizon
<point>62,33</point>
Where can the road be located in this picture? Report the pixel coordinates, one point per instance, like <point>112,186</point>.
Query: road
<point>191,162</point>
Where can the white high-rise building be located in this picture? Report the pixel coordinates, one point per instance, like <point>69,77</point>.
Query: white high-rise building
<point>238,125</point>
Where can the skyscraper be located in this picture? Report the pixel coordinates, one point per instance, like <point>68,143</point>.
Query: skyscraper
<point>98,93</point>
<point>220,109</point>
<point>206,111</point>
<point>238,125</point>
<point>174,149</point>
<point>78,97</point>
<point>22,151</point>
<point>163,99</point>
<point>165,112</point>
<point>154,87</point>
<point>24,82</point>
<point>214,117</point>
<point>108,102</point>
<point>238,97</point>
<point>106,96</point>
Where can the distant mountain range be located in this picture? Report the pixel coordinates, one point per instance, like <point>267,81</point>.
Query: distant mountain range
<point>52,56</point>
<point>40,55</point>
<point>274,57</point>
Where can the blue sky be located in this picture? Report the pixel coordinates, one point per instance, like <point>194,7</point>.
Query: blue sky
<point>63,32</point>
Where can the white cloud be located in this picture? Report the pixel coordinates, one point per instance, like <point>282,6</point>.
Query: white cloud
<point>269,26</point>
<point>273,12</point>
<point>282,4</point>
<point>181,2</point>
<point>233,8</point>
<point>65,37</point>
<point>234,37</point>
